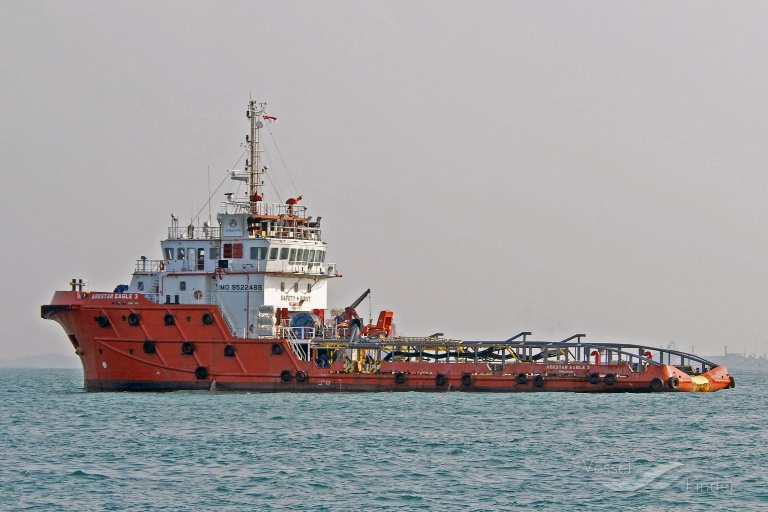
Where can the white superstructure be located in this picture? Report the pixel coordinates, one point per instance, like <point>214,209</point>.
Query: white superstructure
<point>263,264</point>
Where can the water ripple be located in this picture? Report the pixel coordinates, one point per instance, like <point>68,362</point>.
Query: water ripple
<point>68,450</point>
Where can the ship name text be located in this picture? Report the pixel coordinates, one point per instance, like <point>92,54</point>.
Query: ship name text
<point>114,296</point>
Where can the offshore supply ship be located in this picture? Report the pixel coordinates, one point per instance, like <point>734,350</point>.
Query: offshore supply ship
<point>241,304</point>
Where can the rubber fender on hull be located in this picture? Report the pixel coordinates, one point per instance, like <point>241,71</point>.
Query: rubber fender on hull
<point>538,380</point>
<point>229,351</point>
<point>673,383</point>
<point>134,319</point>
<point>149,347</point>
<point>201,372</point>
<point>521,378</point>
<point>277,349</point>
<point>285,375</point>
<point>187,348</point>
<point>301,376</point>
<point>440,379</point>
<point>609,379</point>
<point>657,384</point>
<point>594,378</point>
<point>399,378</point>
<point>169,319</point>
<point>207,318</point>
<point>102,320</point>
<point>466,379</point>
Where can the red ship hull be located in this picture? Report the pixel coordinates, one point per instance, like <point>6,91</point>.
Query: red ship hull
<point>145,346</point>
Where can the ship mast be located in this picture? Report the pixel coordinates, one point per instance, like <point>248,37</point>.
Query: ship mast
<point>253,164</point>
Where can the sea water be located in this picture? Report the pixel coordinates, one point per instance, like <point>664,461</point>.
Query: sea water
<point>66,449</point>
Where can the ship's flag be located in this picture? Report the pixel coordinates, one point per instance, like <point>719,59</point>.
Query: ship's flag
<point>270,119</point>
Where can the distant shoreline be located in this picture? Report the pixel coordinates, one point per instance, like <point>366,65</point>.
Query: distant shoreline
<point>42,361</point>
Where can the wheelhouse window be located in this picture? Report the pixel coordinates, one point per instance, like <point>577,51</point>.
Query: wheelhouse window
<point>284,253</point>
<point>180,254</point>
<point>140,286</point>
<point>168,253</point>
<point>213,254</point>
<point>299,255</point>
<point>259,253</point>
<point>292,256</point>
<point>182,286</point>
<point>273,253</point>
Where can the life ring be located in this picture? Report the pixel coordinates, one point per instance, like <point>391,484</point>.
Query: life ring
<point>440,379</point>
<point>521,378</point>
<point>466,379</point>
<point>201,372</point>
<point>657,384</point>
<point>673,383</point>
<point>149,347</point>
<point>399,378</point>
<point>301,376</point>
<point>609,379</point>
<point>285,375</point>
<point>102,320</point>
<point>594,378</point>
<point>169,319</point>
<point>134,319</point>
<point>187,348</point>
<point>277,349</point>
<point>207,319</point>
<point>229,351</point>
<point>538,380</point>
<point>198,294</point>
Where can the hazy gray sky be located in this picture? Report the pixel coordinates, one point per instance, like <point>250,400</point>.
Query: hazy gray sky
<point>483,167</point>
